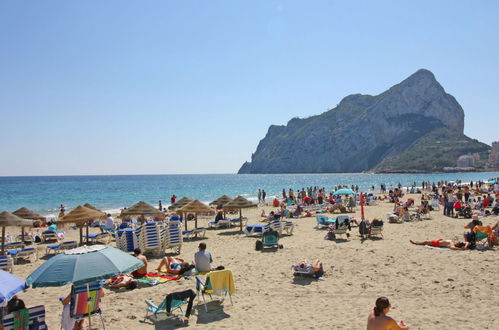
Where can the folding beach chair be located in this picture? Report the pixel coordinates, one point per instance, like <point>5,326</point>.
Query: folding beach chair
<point>323,221</point>
<point>24,253</point>
<point>172,302</point>
<point>34,318</point>
<point>85,300</point>
<point>376,231</point>
<point>288,227</point>
<point>270,238</point>
<point>219,282</point>
<point>6,263</point>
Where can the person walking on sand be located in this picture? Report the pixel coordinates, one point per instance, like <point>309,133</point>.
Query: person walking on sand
<point>264,194</point>
<point>378,320</point>
<point>259,196</point>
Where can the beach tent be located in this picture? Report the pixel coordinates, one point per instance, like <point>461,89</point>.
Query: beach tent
<point>27,214</point>
<point>195,207</point>
<point>141,208</point>
<point>8,219</point>
<point>239,203</point>
<point>80,216</point>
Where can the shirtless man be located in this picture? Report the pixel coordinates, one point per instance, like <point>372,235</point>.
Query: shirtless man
<point>142,271</point>
<point>378,320</point>
<point>444,243</point>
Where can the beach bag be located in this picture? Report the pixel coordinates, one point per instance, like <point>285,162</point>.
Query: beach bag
<point>330,236</point>
<point>37,239</point>
<point>259,245</point>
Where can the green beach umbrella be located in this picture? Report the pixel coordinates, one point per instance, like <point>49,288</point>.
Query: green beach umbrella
<point>344,191</point>
<point>83,265</point>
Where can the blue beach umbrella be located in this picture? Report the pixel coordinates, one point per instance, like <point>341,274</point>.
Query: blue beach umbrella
<point>83,265</point>
<point>344,191</point>
<point>9,286</point>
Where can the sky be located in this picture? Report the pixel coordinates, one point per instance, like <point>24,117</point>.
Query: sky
<point>171,87</point>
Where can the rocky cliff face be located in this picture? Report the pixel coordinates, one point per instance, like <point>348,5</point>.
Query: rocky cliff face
<point>360,132</point>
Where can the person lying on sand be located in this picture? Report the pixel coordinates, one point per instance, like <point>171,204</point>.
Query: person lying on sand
<point>378,320</point>
<point>173,265</point>
<point>123,281</point>
<point>444,243</point>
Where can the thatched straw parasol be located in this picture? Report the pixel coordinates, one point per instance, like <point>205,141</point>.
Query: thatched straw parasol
<point>27,214</point>
<point>195,207</point>
<point>9,219</point>
<point>180,203</point>
<point>90,206</point>
<point>141,208</point>
<point>221,201</point>
<point>239,203</point>
<point>80,216</point>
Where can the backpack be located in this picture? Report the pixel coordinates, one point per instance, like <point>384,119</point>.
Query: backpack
<point>259,245</point>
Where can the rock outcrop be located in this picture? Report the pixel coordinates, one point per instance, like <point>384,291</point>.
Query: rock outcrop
<point>361,132</point>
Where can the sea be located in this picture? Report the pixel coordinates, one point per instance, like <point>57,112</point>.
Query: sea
<point>44,194</point>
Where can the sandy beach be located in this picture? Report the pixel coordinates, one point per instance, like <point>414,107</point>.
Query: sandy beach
<point>428,288</point>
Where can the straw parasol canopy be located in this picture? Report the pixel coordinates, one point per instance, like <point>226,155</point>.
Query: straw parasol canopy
<point>195,207</point>
<point>9,219</point>
<point>141,208</point>
<point>90,206</point>
<point>239,203</point>
<point>27,214</point>
<point>180,203</point>
<point>80,216</point>
<point>222,200</point>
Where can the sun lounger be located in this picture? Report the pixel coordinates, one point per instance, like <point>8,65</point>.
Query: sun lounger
<point>35,319</point>
<point>219,224</point>
<point>127,240</point>
<point>189,234</point>
<point>288,227</point>
<point>323,221</point>
<point>150,238</point>
<point>254,229</point>
<point>172,238</point>
<point>236,221</point>
<point>56,248</point>
<point>24,253</point>
<point>103,237</point>
<point>6,263</point>
<point>50,235</point>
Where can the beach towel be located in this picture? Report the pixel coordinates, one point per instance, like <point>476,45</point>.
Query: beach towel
<point>437,248</point>
<point>221,280</point>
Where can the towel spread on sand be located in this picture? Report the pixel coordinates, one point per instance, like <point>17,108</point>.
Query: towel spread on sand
<point>437,248</point>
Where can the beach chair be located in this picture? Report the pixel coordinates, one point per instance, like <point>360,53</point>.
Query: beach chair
<point>6,263</point>
<point>254,229</point>
<point>85,300</point>
<point>103,237</point>
<point>127,240</point>
<point>270,239</point>
<point>25,238</point>
<point>189,234</point>
<point>173,236</point>
<point>323,221</point>
<point>15,246</point>
<point>376,231</point>
<point>34,318</point>
<point>235,221</point>
<point>172,302</point>
<point>482,234</point>
<point>219,282</point>
<point>435,205</point>
<point>56,248</point>
<point>150,238</point>
<point>276,225</point>
<point>219,224</point>
<point>50,235</point>
<point>24,253</point>
<point>288,227</point>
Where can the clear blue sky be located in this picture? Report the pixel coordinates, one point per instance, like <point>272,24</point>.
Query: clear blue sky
<point>137,87</point>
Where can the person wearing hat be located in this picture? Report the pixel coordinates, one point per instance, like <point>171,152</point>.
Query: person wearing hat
<point>203,259</point>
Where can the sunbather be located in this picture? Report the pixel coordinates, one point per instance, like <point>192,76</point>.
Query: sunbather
<point>444,243</point>
<point>173,265</point>
<point>378,320</point>
<point>123,281</point>
<point>304,267</point>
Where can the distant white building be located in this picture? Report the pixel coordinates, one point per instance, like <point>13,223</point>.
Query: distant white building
<point>466,161</point>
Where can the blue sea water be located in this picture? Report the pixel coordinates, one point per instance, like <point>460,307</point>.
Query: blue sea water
<point>44,194</point>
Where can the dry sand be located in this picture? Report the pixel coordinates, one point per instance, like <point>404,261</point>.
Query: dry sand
<point>428,288</point>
